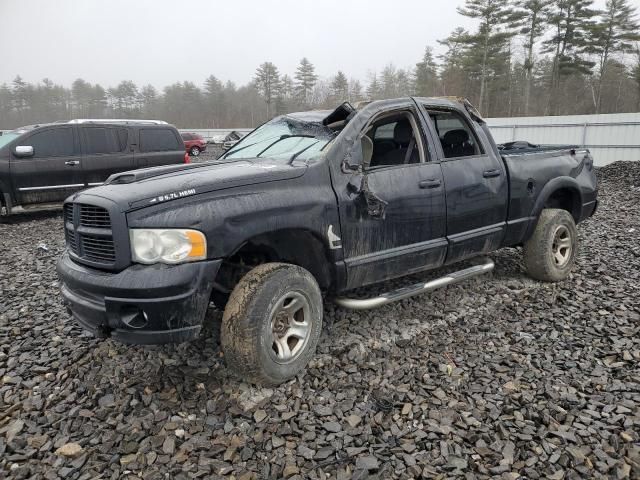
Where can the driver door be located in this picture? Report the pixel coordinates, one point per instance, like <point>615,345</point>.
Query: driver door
<point>54,171</point>
<point>392,213</point>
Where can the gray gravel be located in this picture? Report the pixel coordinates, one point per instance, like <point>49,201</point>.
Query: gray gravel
<point>501,377</point>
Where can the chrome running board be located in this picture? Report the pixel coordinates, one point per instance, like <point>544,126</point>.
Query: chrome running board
<point>417,289</point>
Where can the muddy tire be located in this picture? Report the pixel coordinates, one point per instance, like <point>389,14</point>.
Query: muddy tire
<point>550,253</point>
<point>272,323</point>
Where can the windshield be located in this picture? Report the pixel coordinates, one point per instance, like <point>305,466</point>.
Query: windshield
<point>6,138</point>
<point>283,137</point>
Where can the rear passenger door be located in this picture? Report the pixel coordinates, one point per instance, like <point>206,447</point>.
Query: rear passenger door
<point>476,185</point>
<point>105,151</point>
<point>159,146</point>
<point>53,172</point>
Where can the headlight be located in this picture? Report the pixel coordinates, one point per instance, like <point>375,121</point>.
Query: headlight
<point>167,246</point>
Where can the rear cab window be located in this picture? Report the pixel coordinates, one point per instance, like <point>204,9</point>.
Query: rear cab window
<point>455,134</point>
<point>158,140</point>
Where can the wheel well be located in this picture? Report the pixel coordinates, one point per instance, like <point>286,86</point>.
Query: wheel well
<point>298,247</point>
<point>565,199</point>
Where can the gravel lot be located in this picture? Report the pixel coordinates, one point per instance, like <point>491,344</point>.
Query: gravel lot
<point>498,377</point>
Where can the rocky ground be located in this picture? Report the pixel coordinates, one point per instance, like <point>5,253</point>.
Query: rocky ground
<point>499,377</point>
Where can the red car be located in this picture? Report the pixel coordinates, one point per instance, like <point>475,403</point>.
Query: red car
<point>194,143</point>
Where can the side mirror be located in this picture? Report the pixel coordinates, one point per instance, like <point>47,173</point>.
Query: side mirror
<point>24,151</point>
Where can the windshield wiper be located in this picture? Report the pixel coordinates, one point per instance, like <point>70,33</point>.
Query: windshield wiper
<point>284,137</point>
<point>295,155</point>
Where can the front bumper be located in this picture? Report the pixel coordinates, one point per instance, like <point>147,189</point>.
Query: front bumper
<point>143,304</point>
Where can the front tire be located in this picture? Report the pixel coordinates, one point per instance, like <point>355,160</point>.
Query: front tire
<point>194,151</point>
<point>550,253</point>
<point>272,323</point>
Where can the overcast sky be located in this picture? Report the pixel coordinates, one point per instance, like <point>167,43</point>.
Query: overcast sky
<point>165,41</point>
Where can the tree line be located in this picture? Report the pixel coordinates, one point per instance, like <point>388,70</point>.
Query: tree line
<point>524,57</point>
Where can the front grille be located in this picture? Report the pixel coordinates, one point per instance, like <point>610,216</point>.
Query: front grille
<point>88,234</point>
<point>98,249</point>
<point>91,216</point>
<point>68,212</point>
<point>68,228</point>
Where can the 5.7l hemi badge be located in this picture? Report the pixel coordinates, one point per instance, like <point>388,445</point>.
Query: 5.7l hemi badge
<point>173,196</point>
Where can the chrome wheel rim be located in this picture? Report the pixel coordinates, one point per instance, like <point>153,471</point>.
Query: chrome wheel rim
<point>562,246</point>
<point>195,152</point>
<point>290,327</point>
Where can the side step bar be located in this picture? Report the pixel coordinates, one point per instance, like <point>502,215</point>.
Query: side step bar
<point>417,289</point>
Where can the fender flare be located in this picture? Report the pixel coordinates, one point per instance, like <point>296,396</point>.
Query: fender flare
<point>547,191</point>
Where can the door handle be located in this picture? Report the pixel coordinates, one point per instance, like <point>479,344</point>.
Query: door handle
<point>491,173</point>
<point>433,183</point>
<point>72,162</point>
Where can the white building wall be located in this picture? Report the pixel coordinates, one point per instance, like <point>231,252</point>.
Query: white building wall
<point>610,137</point>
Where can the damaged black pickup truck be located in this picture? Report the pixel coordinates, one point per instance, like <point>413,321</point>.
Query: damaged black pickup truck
<point>310,206</point>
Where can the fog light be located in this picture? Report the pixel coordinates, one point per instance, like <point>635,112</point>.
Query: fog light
<point>133,317</point>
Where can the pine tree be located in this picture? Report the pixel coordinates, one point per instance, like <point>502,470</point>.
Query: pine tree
<point>453,76</point>
<point>19,91</point>
<point>373,89</point>
<point>529,18</point>
<point>214,98</point>
<point>98,102</point>
<point>491,37</point>
<point>148,100</point>
<point>571,20</point>
<point>81,92</point>
<point>614,33</point>
<point>355,90</point>
<point>267,81</point>
<point>285,95</point>
<point>340,88</point>
<point>305,80</point>
<point>426,75</point>
<point>388,82</point>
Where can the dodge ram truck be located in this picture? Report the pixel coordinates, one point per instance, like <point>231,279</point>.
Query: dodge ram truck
<point>307,208</point>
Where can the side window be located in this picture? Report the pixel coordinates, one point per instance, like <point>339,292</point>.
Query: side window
<point>158,140</point>
<point>100,140</point>
<point>56,142</point>
<point>394,140</point>
<point>456,137</point>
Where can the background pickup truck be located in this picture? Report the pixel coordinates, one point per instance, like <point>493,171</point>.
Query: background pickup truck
<point>309,205</point>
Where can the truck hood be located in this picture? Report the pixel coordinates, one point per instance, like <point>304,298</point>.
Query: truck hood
<point>150,186</point>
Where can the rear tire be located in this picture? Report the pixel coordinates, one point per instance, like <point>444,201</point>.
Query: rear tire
<point>194,152</point>
<point>550,253</point>
<point>272,323</point>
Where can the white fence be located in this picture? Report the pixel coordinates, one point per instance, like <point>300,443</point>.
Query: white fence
<point>610,137</point>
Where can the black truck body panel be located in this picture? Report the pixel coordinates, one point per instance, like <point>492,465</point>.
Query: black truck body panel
<point>355,224</point>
